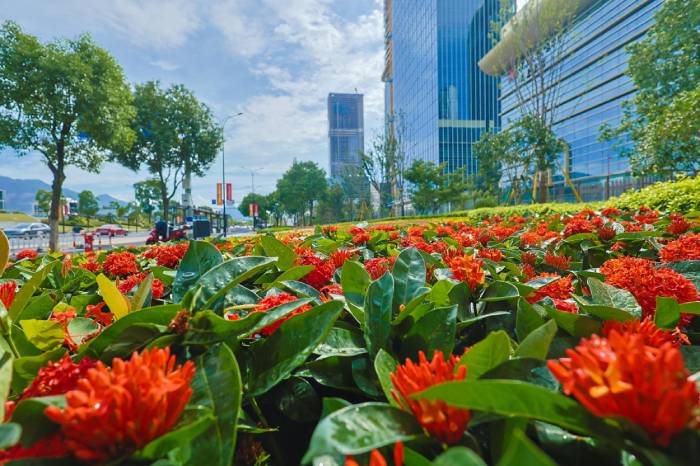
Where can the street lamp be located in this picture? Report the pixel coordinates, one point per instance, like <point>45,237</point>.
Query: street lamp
<point>223,165</point>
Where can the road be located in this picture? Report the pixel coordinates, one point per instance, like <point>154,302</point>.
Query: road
<point>68,242</point>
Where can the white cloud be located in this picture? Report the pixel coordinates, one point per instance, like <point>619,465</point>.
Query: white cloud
<point>243,30</point>
<point>165,65</point>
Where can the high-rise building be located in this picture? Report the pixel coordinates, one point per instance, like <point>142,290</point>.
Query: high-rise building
<point>591,84</point>
<point>437,99</point>
<point>346,131</point>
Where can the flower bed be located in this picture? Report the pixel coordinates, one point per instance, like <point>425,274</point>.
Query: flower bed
<point>549,339</point>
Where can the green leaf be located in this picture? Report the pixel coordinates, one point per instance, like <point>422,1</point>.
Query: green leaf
<point>527,319</point>
<point>201,256</point>
<point>81,328</point>
<point>29,414</point>
<point>28,290</point>
<point>668,313</point>
<point>217,281</point>
<point>276,248</point>
<point>26,368</point>
<point>607,295</point>
<point>116,301</point>
<point>359,429</point>
<point>9,433</point>
<point>178,437</point>
<point>440,293</point>
<point>536,344</point>
<point>520,450</point>
<point>217,385</point>
<point>487,354</point>
<point>434,331</point>
<point>275,357</point>
<point>142,297</point>
<point>294,273</point>
<point>297,399</point>
<point>44,334</point>
<point>39,307</point>
<point>377,325</point>
<point>518,399</point>
<point>355,280</point>
<point>6,362</point>
<point>461,456</point>
<point>577,325</point>
<point>409,276</point>
<point>301,289</point>
<point>500,291</point>
<point>341,342</point>
<point>384,365</point>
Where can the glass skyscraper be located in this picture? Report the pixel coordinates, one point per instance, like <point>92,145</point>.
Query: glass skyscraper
<point>437,99</point>
<point>346,131</point>
<point>592,86</point>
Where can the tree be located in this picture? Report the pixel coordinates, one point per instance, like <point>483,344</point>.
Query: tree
<point>300,187</point>
<point>355,191</point>
<point>43,200</point>
<point>87,205</point>
<point>253,198</point>
<point>432,187</point>
<point>384,165</point>
<point>176,134</point>
<point>489,152</point>
<point>663,118</point>
<point>333,207</point>
<point>67,100</point>
<point>147,193</point>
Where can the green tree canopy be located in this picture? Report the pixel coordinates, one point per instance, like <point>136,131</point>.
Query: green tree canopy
<point>67,100</point>
<point>254,198</point>
<point>300,187</point>
<point>431,187</point>
<point>175,134</point>
<point>663,117</point>
<point>43,200</point>
<point>87,204</point>
<point>147,193</point>
<point>489,152</point>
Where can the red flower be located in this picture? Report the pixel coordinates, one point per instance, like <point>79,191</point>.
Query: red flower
<point>322,272</point>
<point>339,257</point>
<point>168,255</point>
<point>559,290</point>
<point>26,254</point>
<point>468,269</point>
<point>566,306</point>
<point>113,412</point>
<point>273,301</point>
<point>379,266</point>
<point>611,212</point>
<point>7,293</point>
<point>157,287</point>
<point>119,264</point>
<point>578,225</point>
<point>440,420</point>
<point>641,278</point>
<point>652,335</point>
<point>47,447</point>
<point>528,258</point>
<point>686,248</point>
<point>492,254</point>
<point>558,262</point>
<point>360,238</point>
<point>679,224</point>
<point>606,233</point>
<point>332,289</point>
<point>646,216</point>
<point>377,459</point>
<point>621,376</point>
<point>99,315</point>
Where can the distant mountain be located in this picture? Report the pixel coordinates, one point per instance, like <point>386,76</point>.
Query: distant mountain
<point>19,194</point>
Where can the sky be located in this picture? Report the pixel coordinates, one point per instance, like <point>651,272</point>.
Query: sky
<point>274,60</point>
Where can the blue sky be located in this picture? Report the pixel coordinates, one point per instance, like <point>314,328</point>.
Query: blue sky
<point>274,60</point>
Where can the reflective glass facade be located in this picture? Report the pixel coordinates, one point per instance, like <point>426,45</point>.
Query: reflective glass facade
<point>442,102</point>
<point>593,87</point>
<point>346,131</point>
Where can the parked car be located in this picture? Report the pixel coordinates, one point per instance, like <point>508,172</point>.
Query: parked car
<point>28,230</point>
<point>111,229</point>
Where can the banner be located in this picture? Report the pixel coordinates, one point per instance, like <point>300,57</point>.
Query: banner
<point>219,194</point>
<point>229,193</point>
<point>253,209</point>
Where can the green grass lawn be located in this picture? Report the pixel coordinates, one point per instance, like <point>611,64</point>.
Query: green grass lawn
<point>14,217</point>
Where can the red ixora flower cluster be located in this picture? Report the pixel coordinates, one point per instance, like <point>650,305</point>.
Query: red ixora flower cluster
<point>651,334</point>
<point>686,248</point>
<point>273,301</point>
<point>468,269</point>
<point>491,254</point>
<point>117,410</point>
<point>379,266</point>
<point>30,254</point>
<point>323,269</point>
<point>440,420</point>
<point>641,278</point>
<point>559,290</point>
<point>7,293</point>
<point>377,459</point>
<point>119,264</point>
<point>128,284</point>
<point>167,255</point>
<point>621,376</point>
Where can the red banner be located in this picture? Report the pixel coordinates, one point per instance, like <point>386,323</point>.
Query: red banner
<point>229,193</point>
<point>219,194</point>
<point>253,209</point>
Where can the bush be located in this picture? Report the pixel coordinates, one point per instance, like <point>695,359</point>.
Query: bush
<point>482,202</point>
<point>679,195</point>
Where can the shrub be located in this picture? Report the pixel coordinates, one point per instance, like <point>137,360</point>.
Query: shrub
<point>679,195</point>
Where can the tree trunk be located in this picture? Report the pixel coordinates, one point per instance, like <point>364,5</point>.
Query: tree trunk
<point>55,210</point>
<point>542,187</point>
<point>166,207</point>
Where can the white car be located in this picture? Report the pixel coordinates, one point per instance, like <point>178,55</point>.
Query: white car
<point>28,230</point>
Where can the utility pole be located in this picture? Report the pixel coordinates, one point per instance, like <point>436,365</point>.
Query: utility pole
<point>223,167</point>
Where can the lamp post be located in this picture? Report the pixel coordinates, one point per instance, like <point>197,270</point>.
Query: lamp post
<point>223,165</point>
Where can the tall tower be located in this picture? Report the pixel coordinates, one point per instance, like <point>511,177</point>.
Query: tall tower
<point>346,131</point>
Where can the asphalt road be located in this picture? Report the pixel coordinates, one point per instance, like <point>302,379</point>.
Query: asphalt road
<point>68,242</point>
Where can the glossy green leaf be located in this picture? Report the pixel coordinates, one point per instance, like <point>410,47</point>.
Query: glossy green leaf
<point>296,272</point>
<point>668,313</point>
<point>6,363</point>
<point>29,414</point>
<point>536,344</point>
<point>182,435</point>
<point>28,289</point>
<point>142,296</point>
<point>9,433</point>
<point>409,276</point>
<point>607,295</point>
<point>276,248</point>
<point>44,334</point>
<point>275,357</point>
<point>377,325</point>
<point>26,368</point>
<point>527,319</point>
<point>297,399</point>
<point>576,325</point>
<point>217,385</point>
<point>359,429</point>
<point>434,331</point>
<point>486,354</point>
<point>460,456</point>
<point>341,342</point>
<point>500,291</point>
<point>384,365</point>
<point>520,451</point>
<point>220,279</point>
<point>82,328</point>
<point>355,280</point>
<point>201,256</point>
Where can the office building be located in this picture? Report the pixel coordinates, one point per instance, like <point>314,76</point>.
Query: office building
<point>592,87</point>
<point>346,131</point>
<point>437,99</point>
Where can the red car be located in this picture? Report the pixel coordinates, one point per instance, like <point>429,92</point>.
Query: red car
<point>111,229</point>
